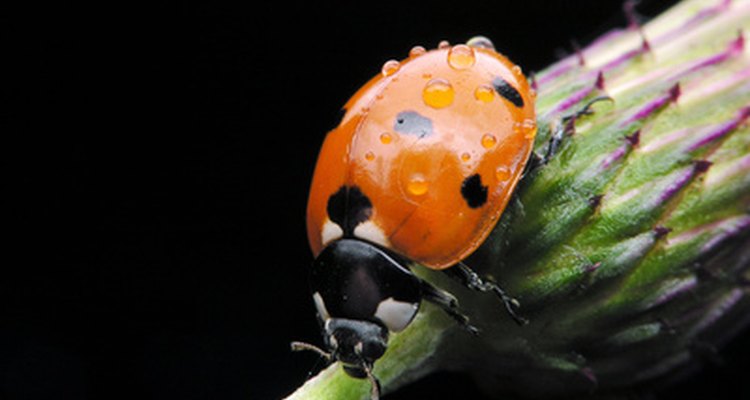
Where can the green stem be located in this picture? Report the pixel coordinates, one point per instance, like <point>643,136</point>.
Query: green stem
<point>632,246</point>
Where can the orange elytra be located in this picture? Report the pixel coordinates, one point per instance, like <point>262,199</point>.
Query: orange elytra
<point>426,156</point>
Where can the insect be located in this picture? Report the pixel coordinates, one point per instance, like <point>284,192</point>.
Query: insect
<point>419,171</point>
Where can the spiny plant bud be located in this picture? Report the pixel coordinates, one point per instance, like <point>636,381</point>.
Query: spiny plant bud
<point>629,251</point>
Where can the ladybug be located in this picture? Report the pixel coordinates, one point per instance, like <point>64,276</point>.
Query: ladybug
<point>418,172</point>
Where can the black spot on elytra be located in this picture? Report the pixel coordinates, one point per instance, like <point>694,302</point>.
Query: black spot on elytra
<point>473,191</point>
<point>412,123</point>
<point>510,93</point>
<point>349,207</point>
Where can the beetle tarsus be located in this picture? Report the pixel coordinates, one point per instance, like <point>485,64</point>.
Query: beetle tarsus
<point>472,280</point>
<point>565,127</point>
<point>448,304</point>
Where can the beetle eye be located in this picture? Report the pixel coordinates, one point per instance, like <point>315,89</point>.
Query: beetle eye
<point>373,349</point>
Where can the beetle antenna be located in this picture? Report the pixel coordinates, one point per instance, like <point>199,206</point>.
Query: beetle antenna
<point>367,367</point>
<point>374,383</point>
<point>302,346</point>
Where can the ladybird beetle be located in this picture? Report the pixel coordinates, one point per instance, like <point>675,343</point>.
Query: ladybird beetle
<point>419,170</point>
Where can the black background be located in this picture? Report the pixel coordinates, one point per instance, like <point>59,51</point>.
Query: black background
<point>158,161</point>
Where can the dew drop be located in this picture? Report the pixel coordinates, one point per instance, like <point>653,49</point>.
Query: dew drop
<point>529,128</point>
<point>369,156</point>
<point>502,173</point>
<point>390,67</point>
<point>417,185</point>
<point>465,157</point>
<point>484,93</point>
<point>517,71</point>
<point>386,138</point>
<point>489,140</point>
<point>461,56</point>
<point>438,93</point>
<point>481,42</point>
<point>417,51</point>
<point>444,44</point>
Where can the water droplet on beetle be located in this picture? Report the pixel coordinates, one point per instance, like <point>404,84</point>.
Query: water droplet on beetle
<point>484,93</point>
<point>489,140</point>
<point>417,51</point>
<point>517,71</point>
<point>369,156</point>
<point>465,157</point>
<point>528,127</point>
<point>417,185</point>
<point>390,67</point>
<point>481,42</point>
<point>502,173</point>
<point>438,93</point>
<point>386,138</point>
<point>461,56</point>
<point>444,44</point>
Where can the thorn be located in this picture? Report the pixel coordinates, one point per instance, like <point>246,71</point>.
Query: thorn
<point>645,45</point>
<point>674,92</point>
<point>589,374</point>
<point>629,9</point>
<point>594,201</point>
<point>701,166</point>
<point>593,267</point>
<point>738,45</point>
<point>634,139</point>
<point>744,113</point>
<point>660,231</point>
<point>599,81</point>
<point>654,105</point>
<point>579,53</point>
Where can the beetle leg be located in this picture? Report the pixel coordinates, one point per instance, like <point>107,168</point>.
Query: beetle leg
<point>565,127</point>
<point>448,304</point>
<point>374,382</point>
<point>472,280</point>
<point>366,367</point>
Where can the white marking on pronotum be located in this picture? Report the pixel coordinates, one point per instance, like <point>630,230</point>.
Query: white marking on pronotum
<point>396,315</point>
<point>330,232</point>
<point>370,231</point>
<point>332,342</point>
<point>321,306</point>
